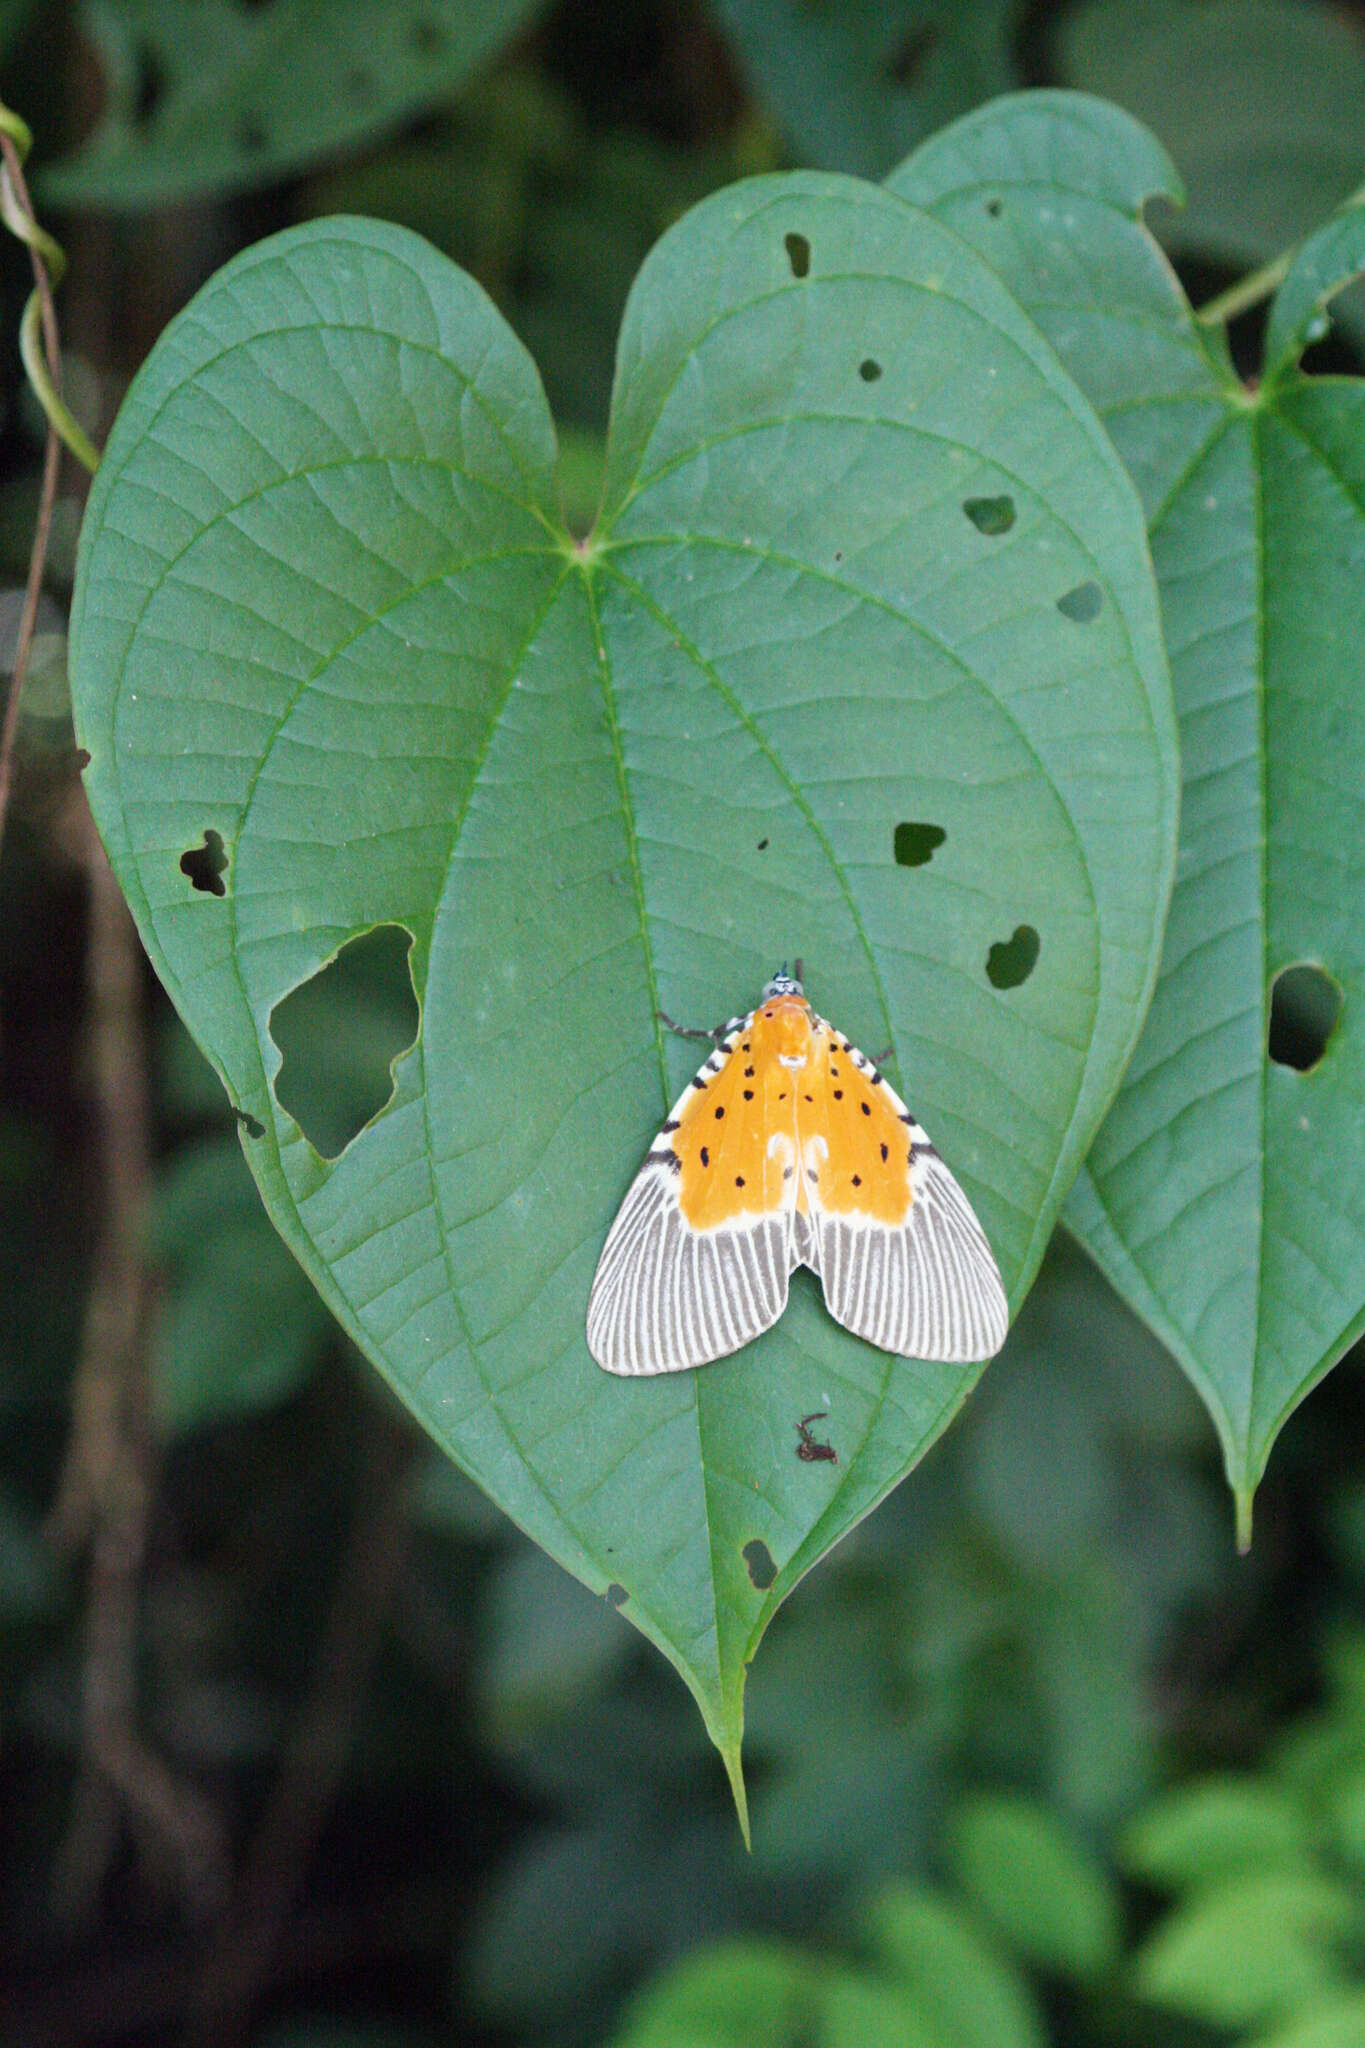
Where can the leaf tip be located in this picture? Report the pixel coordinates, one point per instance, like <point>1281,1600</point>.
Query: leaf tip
<point>734,1771</point>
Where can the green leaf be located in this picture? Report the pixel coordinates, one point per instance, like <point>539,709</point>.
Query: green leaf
<point>217,98</point>
<point>1248,1951</point>
<point>326,611</point>
<point>1325,263</point>
<point>1221,1196</point>
<point>1336,2020</point>
<point>240,1328</point>
<point>853,85</point>
<point>959,1981</point>
<point>1206,1831</point>
<point>1033,1880</point>
<point>741,1994</point>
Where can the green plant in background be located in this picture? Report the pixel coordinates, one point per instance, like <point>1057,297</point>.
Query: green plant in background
<point>1261,1939</point>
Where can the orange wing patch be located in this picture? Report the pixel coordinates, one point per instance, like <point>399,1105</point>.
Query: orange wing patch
<point>789,1149</point>
<point>729,1167</point>
<point>864,1167</point>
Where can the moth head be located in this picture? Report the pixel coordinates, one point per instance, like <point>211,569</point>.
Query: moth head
<point>784,984</point>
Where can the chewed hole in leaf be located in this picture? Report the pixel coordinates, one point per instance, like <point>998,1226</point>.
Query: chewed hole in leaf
<point>991,516</point>
<point>915,845</point>
<point>995,207</point>
<point>798,254</point>
<point>869,370</point>
<point>252,1125</point>
<point>617,1594</point>
<point>339,1034</point>
<point>1305,1007</point>
<point>207,864</point>
<point>1081,605</point>
<point>1010,962</point>
<point>758,1562</point>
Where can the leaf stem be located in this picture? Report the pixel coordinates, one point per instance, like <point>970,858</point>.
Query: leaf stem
<point>1259,284</point>
<point>1247,292</point>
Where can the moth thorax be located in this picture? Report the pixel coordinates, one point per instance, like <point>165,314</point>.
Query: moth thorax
<point>788,1022</point>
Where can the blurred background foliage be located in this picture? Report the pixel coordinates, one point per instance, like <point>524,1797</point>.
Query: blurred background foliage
<point>299,1740</point>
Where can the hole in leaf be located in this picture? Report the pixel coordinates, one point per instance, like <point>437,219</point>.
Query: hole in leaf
<point>909,59</point>
<point>207,864</point>
<point>995,207</point>
<point>253,1127</point>
<point>340,1032</point>
<point>915,845</point>
<point>1305,1004</point>
<point>1082,604</point>
<point>869,370</point>
<point>617,1594</point>
<point>798,254</point>
<point>758,1562</point>
<point>82,759</point>
<point>991,516</point>
<point>149,89</point>
<point>251,134</point>
<point>1010,962</point>
<point>762,845</point>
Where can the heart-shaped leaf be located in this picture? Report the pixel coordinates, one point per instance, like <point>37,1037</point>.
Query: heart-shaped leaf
<point>1223,1195</point>
<point>330,631</point>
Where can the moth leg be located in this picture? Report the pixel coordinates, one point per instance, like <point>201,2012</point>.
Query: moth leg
<point>717,1033</point>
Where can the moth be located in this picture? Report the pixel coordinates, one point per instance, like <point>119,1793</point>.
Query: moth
<point>789,1149</point>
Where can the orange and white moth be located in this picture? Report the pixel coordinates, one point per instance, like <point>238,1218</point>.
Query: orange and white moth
<point>790,1149</point>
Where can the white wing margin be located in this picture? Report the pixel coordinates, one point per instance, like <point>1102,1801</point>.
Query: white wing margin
<point>666,1297</point>
<point>928,1290</point>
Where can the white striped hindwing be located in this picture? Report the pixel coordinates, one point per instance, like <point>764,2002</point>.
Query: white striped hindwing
<point>788,1148</point>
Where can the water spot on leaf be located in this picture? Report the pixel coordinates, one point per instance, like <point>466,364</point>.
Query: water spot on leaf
<point>798,254</point>
<point>869,370</point>
<point>915,845</point>
<point>1010,962</point>
<point>991,516</point>
<point>339,1033</point>
<point>207,864</point>
<point>758,1562</point>
<point>1082,604</point>
<point>1305,1006</point>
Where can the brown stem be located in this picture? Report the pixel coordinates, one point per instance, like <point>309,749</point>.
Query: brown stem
<point>241,1959</point>
<point>105,1491</point>
<point>47,496</point>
